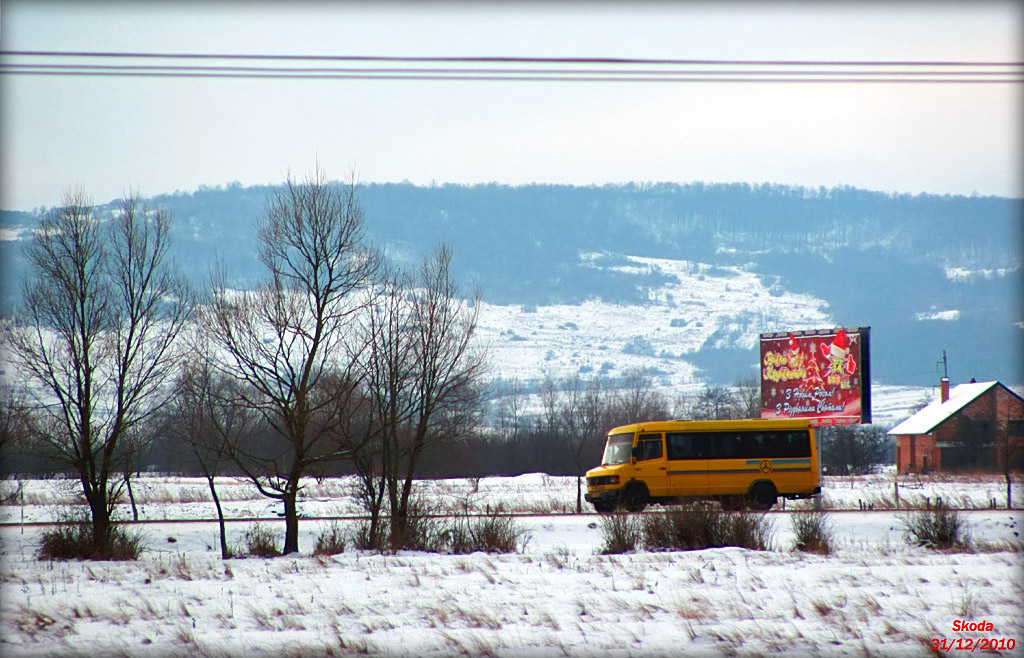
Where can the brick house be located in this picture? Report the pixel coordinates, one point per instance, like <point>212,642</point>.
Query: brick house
<point>973,427</point>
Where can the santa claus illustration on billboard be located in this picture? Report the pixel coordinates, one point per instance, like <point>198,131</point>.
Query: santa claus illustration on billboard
<point>840,360</point>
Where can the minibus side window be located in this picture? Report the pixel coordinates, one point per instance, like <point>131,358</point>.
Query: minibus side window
<point>729,445</point>
<point>649,446</point>
<point>762,445</point>
<point>688,445</point>
<point>797,444</point>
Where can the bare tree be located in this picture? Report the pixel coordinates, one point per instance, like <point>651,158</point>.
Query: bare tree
<point>207,417</point>
<point>853,449</point>
<point>13,433</point>
<point>547,390</point>
<point>715,403</point>
<point>583,413</point>
<point>386,365</point>
<point>449,369</point>
<point>570,426</point>
<point>747,397</point>
<point>424,378</point>
<point>285,343</point>
<point>97,339</point>
<point>1009,441</point>
<point>637,401</point>
<point>510,408</point>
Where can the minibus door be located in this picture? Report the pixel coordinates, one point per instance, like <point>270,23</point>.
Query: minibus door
<point>650,467</point>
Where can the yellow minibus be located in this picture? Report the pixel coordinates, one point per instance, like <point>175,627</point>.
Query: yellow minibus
<point>738,462</point>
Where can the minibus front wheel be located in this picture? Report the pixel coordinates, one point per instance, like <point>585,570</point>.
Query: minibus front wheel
<point>634,497</point>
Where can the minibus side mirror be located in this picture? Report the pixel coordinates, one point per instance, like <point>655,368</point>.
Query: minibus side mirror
<point>636,454</point>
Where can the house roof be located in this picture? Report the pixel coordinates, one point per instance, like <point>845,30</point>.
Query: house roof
<point>927,419</point>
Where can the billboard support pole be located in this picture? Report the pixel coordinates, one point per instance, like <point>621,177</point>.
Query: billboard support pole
<point>865,356</point>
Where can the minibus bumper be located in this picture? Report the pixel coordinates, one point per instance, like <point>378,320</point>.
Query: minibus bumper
<point>610,496</point>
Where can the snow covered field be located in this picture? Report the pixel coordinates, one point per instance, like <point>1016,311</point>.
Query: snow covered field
<point>875,595</point>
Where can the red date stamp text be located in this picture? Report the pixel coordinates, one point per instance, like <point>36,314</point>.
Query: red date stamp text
<point>973,644</point>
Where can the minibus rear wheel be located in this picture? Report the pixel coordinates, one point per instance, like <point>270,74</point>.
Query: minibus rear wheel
<point>762,495</point>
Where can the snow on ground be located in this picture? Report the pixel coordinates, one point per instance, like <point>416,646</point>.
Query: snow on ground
<point>875,595</point>
<point>892,404</point>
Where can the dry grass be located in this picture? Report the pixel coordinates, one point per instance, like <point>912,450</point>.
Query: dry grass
<point>939,528</point>
<point>426,530</point>
<point>701,526</point>
<point>330,541</point>
<point>258,541</point>
<point>76,541</point>
<point>814,532</point>
<point>621,533</point>
<point>491,534</point>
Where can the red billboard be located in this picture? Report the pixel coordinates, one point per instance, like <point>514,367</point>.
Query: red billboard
<point>823,376</point>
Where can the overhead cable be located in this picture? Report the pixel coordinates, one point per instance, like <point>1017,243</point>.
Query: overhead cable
<point>533,69</point>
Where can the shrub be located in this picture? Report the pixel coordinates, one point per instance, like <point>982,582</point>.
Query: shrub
<point>621,533</point>
<point>75,541</point>
<point>366,540</point>
<point>426,531</point>
<point>688,527</point>
<point>938,528</point>
<point>495,533</point>
<point>330,541</point>
<point>638,345</point>
<point>258,542</point>
<point>813,532</point>
<point>422,530</point>
<point>498,534</point>
<point>748,530</point>
<point>67,542</point>
<point>701,525</point>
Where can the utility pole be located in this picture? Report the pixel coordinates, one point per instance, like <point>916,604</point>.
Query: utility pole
<point>945,365</point>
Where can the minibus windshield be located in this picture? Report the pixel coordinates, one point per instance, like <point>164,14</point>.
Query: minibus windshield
<point>618,450</point>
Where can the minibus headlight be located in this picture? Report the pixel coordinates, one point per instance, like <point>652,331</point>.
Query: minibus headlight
<point>602,480</point>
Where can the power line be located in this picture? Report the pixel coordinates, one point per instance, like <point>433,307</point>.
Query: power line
<point>555,69</point>
<point>256,71</point>
<point>512,59</point>
<point>505,77</point>
<point>55,68</point>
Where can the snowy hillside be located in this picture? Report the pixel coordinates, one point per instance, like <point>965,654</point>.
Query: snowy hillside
<point>702,306</point>
<point>698,269</point>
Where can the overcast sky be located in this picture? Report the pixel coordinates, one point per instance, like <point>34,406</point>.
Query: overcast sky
<point>110,135</point>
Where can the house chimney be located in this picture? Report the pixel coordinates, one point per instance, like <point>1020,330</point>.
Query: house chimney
<point>944,389</point>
